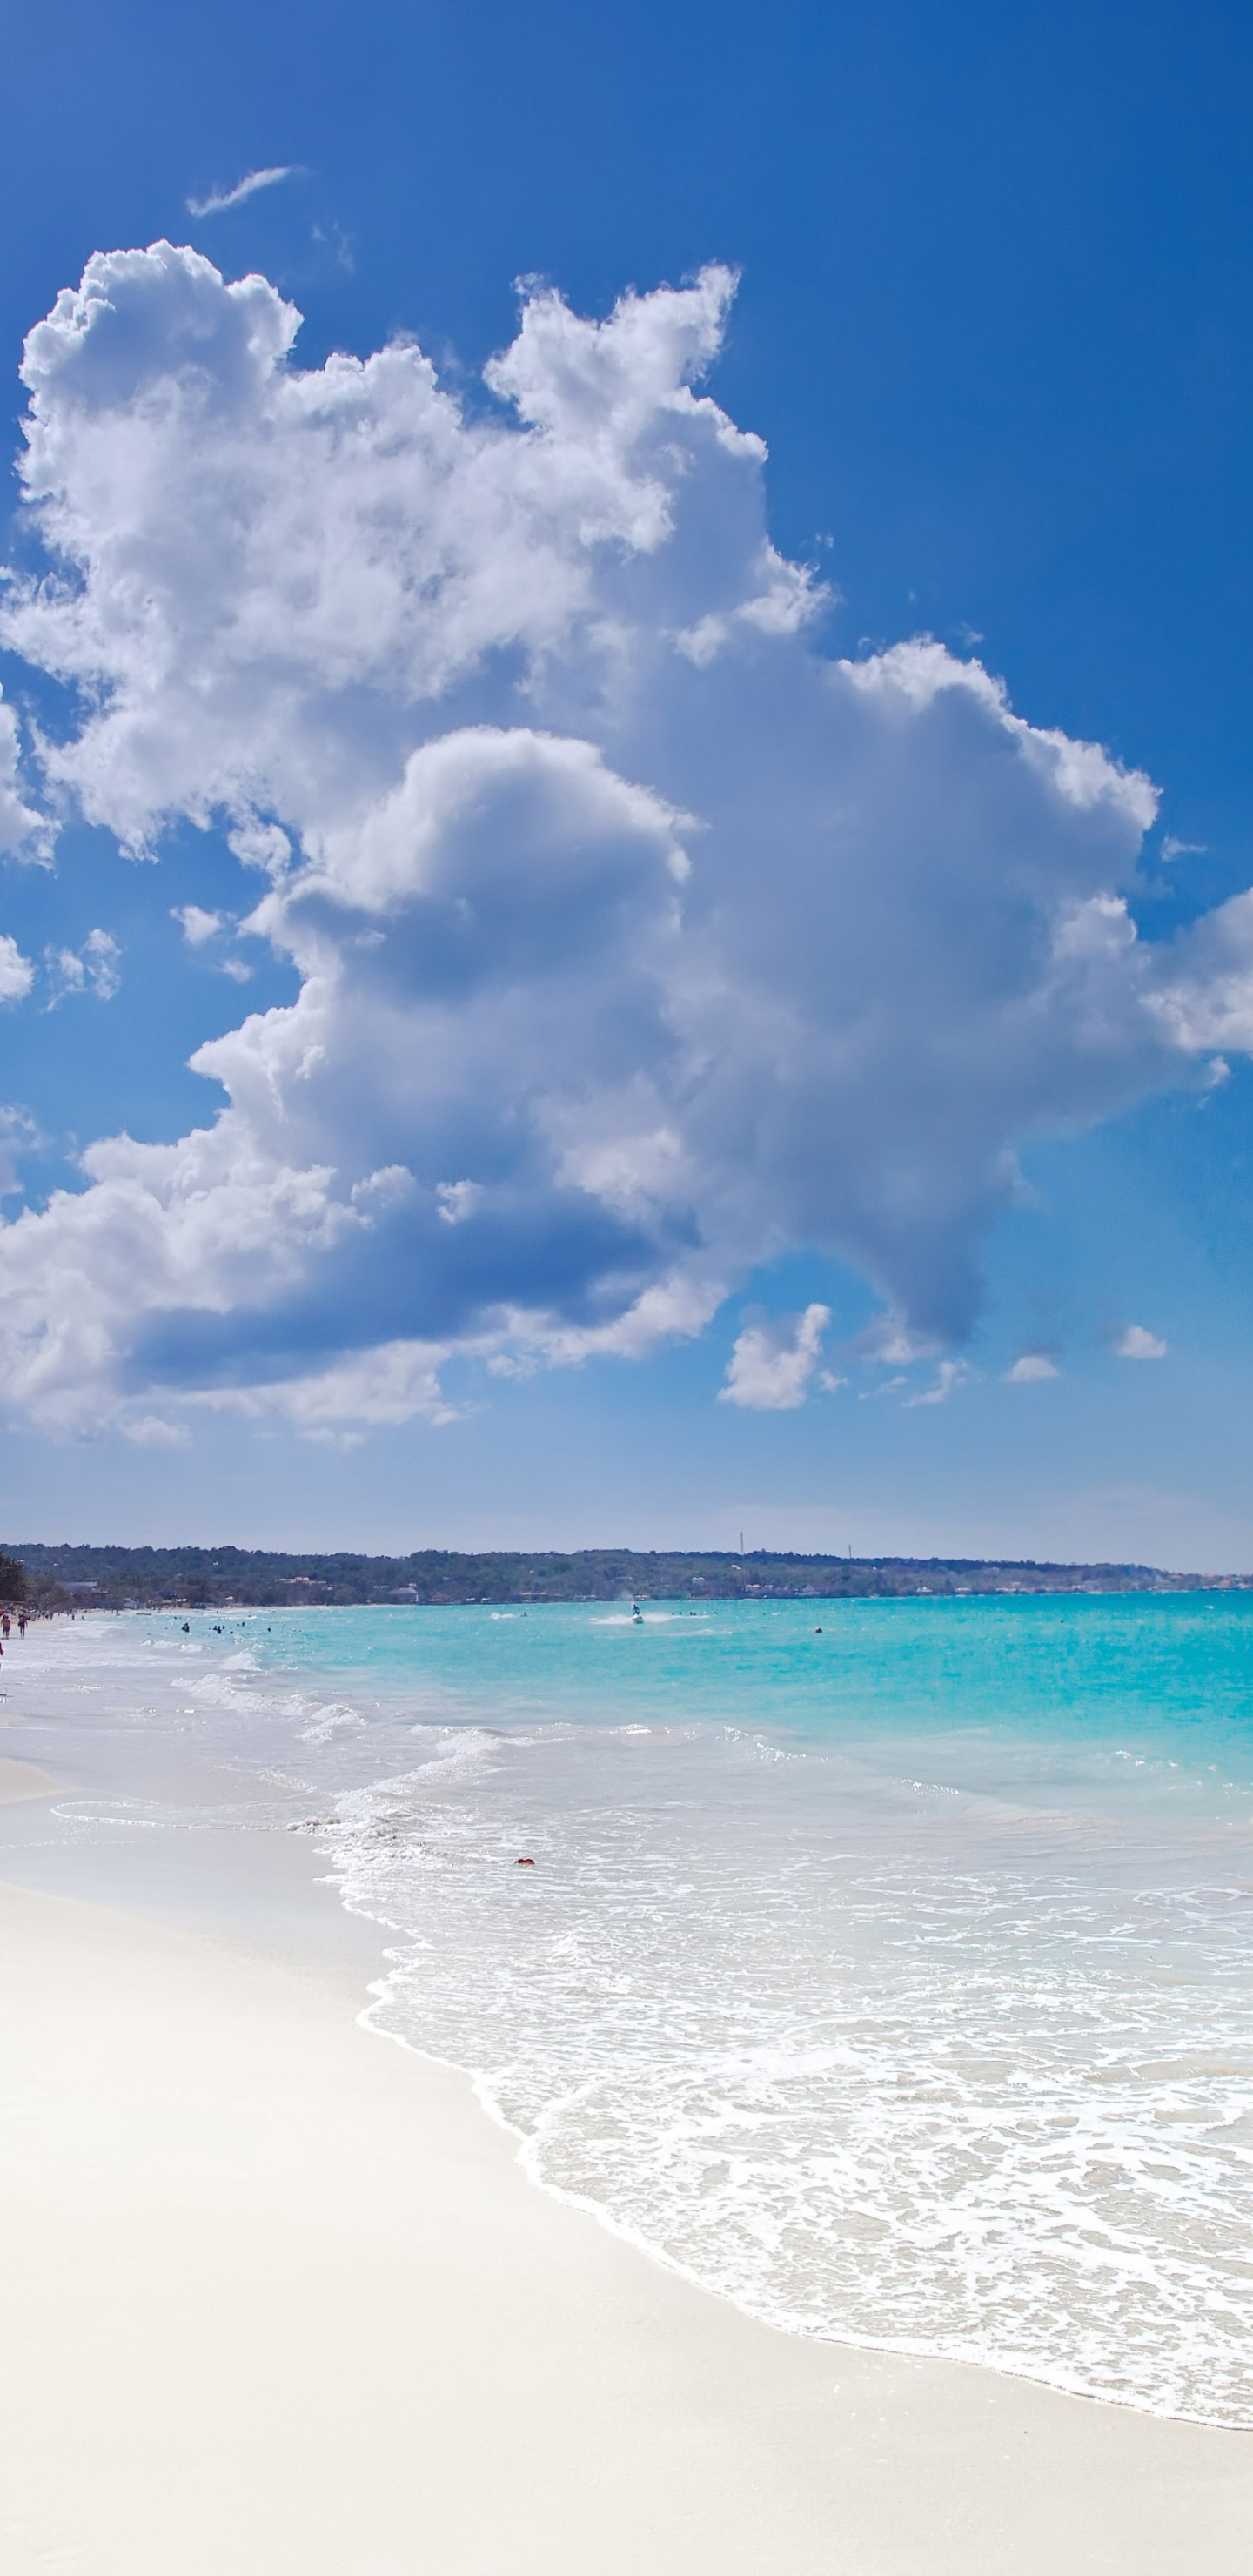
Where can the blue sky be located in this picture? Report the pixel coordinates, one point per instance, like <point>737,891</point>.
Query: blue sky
<point>724,1074</point>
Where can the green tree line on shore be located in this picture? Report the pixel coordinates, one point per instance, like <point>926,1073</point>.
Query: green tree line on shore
<point>113,1578</point>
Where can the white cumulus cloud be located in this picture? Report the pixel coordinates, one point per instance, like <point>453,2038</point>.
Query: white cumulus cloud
<point>16,972</point>
<point>1031,1369</point>
<point>197,925</point>
<point>1137,1343</point>
<point>772,1363</point>
<point>640,937</point>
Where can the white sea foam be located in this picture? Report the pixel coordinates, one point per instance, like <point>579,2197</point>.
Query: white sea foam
<point>937,2036</point>
<point>962,2110</point>
<point>329,1721</point>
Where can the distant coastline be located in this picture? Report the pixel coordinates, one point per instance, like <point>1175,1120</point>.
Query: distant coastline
<point>126,1578</point>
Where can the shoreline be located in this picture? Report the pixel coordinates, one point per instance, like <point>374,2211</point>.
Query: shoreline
<point>22,1780</point>
<point>284,2300</point>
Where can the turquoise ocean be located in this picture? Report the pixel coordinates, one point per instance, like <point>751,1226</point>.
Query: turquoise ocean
<point>886,1966</point>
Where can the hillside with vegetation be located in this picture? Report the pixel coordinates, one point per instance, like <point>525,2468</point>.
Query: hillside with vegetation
<point>117,1578</point>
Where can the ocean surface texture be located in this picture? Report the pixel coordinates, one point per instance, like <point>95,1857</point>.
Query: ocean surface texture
<point>886,1966</point>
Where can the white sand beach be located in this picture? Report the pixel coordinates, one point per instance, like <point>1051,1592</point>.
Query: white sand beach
<point>279,2301</point>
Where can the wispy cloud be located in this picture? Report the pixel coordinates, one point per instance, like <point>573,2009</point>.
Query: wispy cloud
<point>200,929</point>
<point>948,1377</point>
<point>221,199</point>
<point>18,1135</point>
<point>94,968</point>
